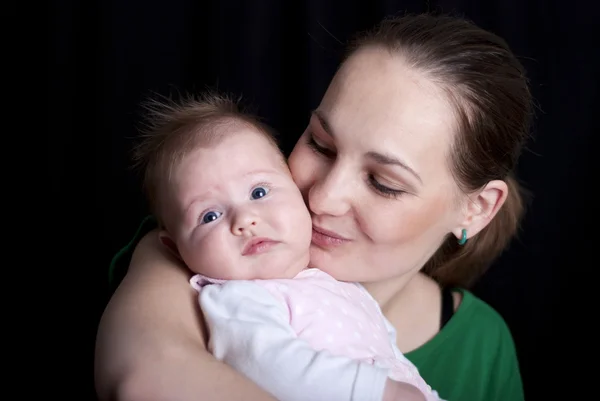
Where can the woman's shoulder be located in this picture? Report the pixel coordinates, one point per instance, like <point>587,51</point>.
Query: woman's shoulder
<point>477,314</point>
<point>476,325</point>
<point>120,262</point>
<point>476,344</point>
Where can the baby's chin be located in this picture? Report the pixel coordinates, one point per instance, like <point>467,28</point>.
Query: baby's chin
<point>273,267</point>
<point>283,269</point>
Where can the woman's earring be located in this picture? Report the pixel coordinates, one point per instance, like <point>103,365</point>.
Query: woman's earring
<point>463,239</point>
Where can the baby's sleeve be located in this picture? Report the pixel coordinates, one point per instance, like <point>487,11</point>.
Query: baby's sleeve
<point>416,379</point>
<point>250,331</point>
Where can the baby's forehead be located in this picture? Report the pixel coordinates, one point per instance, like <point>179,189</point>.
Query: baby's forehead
<point>229,162</point>
<point>234,151</point>
<point>254,138</point>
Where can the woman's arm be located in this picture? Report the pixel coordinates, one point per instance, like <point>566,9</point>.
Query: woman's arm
<point>151,341</point>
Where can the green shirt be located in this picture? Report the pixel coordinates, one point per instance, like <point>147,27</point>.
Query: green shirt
<point>472,358</point>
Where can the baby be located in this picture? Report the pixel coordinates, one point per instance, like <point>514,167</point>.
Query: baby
<point>229,209</point>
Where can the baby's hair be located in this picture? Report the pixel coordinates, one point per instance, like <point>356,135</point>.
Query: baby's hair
<point>172,129</point>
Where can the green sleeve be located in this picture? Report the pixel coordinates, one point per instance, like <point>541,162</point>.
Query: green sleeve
<point>120,262</point>
<point>507,385</point>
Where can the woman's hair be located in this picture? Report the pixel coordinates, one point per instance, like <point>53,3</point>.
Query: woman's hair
<point>171,129</point>
<point>487,87</point>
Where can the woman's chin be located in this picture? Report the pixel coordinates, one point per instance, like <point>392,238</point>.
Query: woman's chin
<point>335,266</point>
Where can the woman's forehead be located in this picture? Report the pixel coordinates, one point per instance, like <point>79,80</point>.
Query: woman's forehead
<point>377,101</point>
<point>385,87</point>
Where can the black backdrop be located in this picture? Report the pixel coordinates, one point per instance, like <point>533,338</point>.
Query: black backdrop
<point>108,55</point>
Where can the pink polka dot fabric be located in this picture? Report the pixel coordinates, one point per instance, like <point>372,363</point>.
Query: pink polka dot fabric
<point>344,319</point>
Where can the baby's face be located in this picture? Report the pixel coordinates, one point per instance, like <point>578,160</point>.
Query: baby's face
<point>237,213</point>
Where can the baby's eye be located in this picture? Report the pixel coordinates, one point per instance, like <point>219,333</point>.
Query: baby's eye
<point>210,217</point>
<point>259,192</point>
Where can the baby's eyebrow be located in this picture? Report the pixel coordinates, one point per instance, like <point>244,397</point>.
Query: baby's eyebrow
<point>193,202</point>
<point>262,172</point>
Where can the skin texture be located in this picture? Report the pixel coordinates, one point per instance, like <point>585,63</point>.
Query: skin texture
<point>149,340</point>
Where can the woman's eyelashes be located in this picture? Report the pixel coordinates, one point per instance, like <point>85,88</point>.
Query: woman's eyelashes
<point>318,148</point>
<point>257,192</point>
<point>371,180</point>
<point>382,189</point>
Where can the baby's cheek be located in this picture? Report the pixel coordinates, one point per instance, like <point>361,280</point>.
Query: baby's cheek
<point>195,255</point>
<point>292,217</point>
<point>216,254</point>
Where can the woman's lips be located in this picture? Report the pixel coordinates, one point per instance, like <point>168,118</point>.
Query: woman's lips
<point>327,239</point>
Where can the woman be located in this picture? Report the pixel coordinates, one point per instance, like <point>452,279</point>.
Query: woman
<point>406,167</point>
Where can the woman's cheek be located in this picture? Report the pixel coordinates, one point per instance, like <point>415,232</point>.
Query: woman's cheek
<point>302,166</point>
<point>383,220</point>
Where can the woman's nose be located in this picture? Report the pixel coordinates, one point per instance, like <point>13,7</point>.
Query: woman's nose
<point>331,193</point>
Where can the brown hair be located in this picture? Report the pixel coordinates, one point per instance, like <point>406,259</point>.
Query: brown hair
<point>487,86</point>
<point>172,129</point>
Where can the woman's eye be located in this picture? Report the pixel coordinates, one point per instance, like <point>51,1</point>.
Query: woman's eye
<point>209,217</point>
<point>312,143</point>
<point>259,192</point>
<point>384,190</point>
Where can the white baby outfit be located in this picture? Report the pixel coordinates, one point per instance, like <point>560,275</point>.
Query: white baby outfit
<point>306,338</point>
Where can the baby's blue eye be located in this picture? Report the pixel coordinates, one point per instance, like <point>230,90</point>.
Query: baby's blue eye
<point>210,217</point>
<point>259,192</point>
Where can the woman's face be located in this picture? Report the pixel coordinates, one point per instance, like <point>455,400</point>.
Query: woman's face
<point>373,168</point>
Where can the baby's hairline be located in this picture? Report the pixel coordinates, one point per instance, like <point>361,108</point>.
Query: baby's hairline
<point>217,140</point>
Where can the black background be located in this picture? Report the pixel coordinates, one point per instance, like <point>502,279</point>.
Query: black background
<point>107,56</point>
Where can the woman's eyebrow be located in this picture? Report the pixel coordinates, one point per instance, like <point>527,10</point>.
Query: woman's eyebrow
<point>377,157</point>
<point>387,159</point>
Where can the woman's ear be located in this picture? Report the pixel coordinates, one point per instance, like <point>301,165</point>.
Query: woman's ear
<point>168,242</point>
<point>482,207</point>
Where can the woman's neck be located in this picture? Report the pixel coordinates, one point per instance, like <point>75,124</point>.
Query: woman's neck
<point>387,290</point>
<point>412,305</point>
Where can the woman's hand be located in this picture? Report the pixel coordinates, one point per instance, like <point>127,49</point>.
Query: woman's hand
<point>151,342</point>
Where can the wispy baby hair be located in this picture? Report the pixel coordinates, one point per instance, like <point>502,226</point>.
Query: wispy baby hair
<point>172,129</point>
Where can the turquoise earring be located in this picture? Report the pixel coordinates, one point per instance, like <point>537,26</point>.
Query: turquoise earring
<point>463,238</point>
